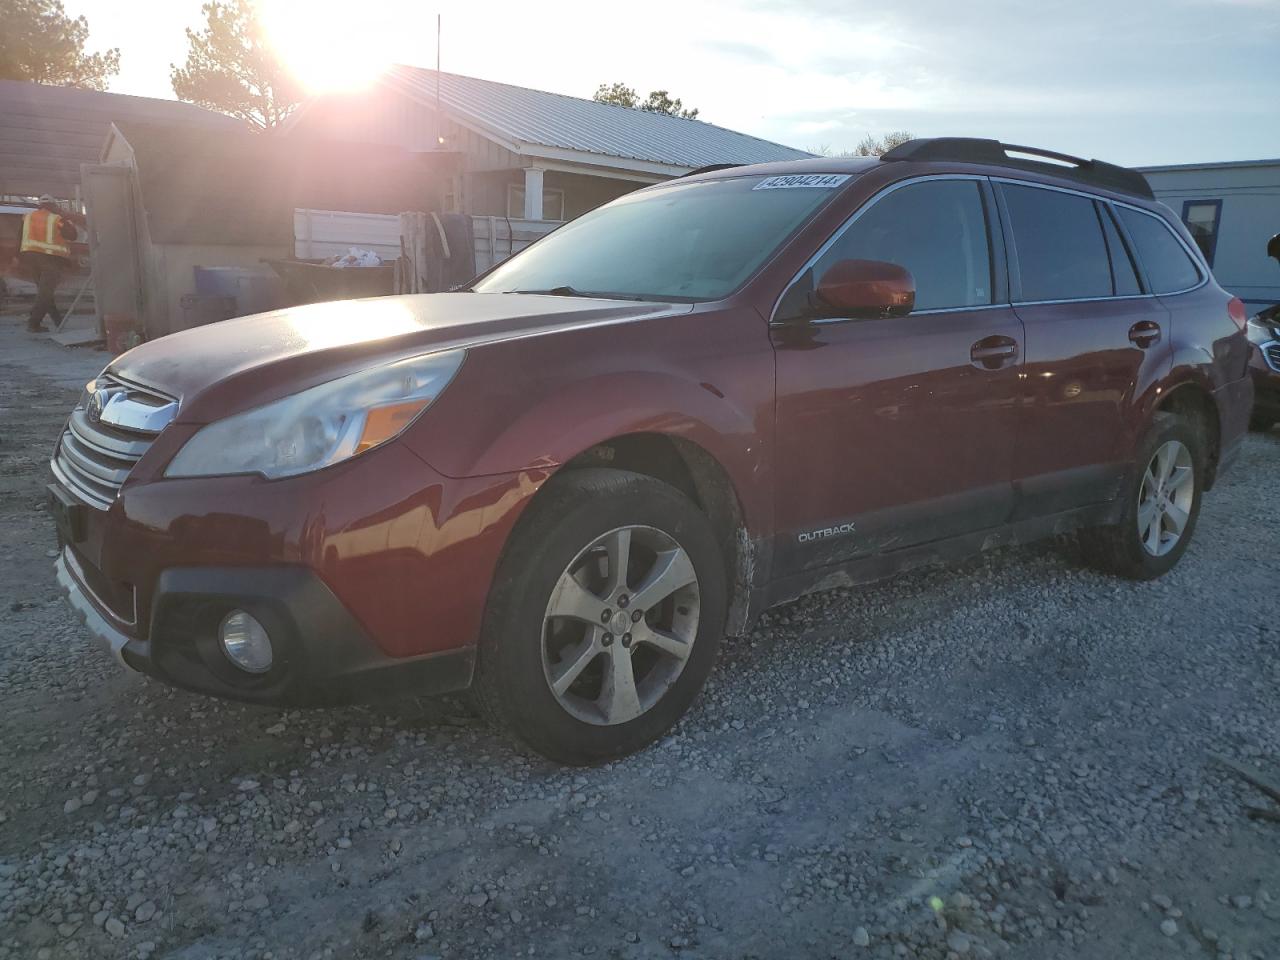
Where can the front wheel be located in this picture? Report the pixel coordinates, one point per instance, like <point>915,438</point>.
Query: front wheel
<point>605,617</point>
<point>1161,504</point>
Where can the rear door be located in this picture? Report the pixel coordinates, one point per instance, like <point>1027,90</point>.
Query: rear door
<point>893,432</point>
<point>1095,340</point>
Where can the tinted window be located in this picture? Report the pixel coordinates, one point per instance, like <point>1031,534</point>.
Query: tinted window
<point>697,240</point>
<point>936,229</point>
<point>1168,266</point>
<point>1122,269</point>
<point>1061,253</point>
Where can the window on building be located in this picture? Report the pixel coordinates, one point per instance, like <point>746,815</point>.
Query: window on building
<point>937,230</point>
<point>552,202</point>
<point>1202,218</point>
<point>1059,242</point>
<point>1168,266</point>
<point>449,202</point>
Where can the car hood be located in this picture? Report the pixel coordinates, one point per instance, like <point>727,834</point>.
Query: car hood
<point>224,367</point>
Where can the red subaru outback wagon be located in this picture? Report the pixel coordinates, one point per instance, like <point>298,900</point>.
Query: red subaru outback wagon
<point>564,485</point>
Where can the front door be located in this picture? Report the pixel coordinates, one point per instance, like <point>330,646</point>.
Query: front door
<point>895,432</point>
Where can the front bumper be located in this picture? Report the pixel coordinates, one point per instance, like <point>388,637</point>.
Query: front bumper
<point>321,654</point>
<point>77,595</point>
<point>371,576</point>
<point>1266,379</point>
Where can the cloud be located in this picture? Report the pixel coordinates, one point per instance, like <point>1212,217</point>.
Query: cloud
<point>1136,80</point>
<point>1131,80</point>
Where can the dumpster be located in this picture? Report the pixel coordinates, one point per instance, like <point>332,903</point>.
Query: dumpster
<point>311,281</point>
<point>255,290</point>
<point>201,308</point>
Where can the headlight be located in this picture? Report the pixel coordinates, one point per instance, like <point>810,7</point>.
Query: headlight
<point>89,390</point>
<point>320,426</point>
<point>1260,332</point>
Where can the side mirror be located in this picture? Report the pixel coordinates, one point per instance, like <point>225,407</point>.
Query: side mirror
<point>865,289</point>
<point>1273,247</point>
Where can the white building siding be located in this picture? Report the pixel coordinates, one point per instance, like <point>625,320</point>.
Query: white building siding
<point>1250,215</point>
<point>486,167</point>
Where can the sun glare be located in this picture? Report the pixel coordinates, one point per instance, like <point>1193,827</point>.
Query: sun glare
<point>324,46</point>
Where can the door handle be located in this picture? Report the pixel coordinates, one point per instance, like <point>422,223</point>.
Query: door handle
<point>1144,333</point>
<point>994,352</point>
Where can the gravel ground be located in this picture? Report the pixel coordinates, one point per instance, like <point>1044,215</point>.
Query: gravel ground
<point>1011,758</point>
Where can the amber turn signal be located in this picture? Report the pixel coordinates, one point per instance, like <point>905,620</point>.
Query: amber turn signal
<point>383,423</point>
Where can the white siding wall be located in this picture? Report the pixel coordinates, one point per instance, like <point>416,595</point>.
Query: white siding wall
<point>1250,198</point>
<point>396,119</point>
<point>480,187</point>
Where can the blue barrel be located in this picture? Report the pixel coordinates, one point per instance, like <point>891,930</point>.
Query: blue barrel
<point>254,289</point>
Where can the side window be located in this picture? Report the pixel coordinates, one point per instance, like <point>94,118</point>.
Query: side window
<point>1058,239</point>
<point>1123,271</point>
<point>937,229</point>
<point>1168,266</point>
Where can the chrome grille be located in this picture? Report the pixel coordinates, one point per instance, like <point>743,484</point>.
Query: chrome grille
<point>107,433</point>
<point>1272,352</point>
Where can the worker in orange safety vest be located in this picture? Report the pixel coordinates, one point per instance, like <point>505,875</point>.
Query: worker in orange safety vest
<point>46,253</point>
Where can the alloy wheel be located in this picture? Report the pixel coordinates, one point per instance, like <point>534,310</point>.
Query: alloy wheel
<point>1165,498</point>
<point>620,625</point>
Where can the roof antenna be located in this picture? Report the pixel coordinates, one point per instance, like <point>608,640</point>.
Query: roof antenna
<point>439,138</point>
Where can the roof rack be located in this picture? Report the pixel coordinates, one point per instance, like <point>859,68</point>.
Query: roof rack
<point>971,150</point>
<point>709,168</point>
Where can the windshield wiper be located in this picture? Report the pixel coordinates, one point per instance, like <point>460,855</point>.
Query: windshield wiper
<point>561,291</point>
<point>568,291</point>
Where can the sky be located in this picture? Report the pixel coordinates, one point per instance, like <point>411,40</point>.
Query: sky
<point>1130,81</point>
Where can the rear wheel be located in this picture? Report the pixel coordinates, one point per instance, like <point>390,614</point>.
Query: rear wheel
<point>1161,504</point>
<point>1261,422</point>
<point>605,617</point>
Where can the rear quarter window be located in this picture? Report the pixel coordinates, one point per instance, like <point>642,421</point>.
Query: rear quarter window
<point>1168,266</point>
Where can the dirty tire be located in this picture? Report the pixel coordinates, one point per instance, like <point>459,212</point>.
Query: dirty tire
<point>1118,549</point>
<point>511,686</point>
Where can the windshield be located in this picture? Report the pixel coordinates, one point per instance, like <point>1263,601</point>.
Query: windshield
<point>687,241</point>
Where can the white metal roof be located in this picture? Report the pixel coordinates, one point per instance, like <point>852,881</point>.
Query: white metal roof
<point>1213,165</point>
<point>537,123</point>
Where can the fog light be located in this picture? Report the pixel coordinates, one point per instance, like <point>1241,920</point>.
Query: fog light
<point>245,642</point>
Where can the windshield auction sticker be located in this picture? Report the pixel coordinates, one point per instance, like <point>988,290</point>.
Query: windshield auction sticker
<point>791,181</point>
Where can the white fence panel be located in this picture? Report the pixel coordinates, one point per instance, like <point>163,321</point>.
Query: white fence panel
<point>499,237</point>
<point>326,233</point>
